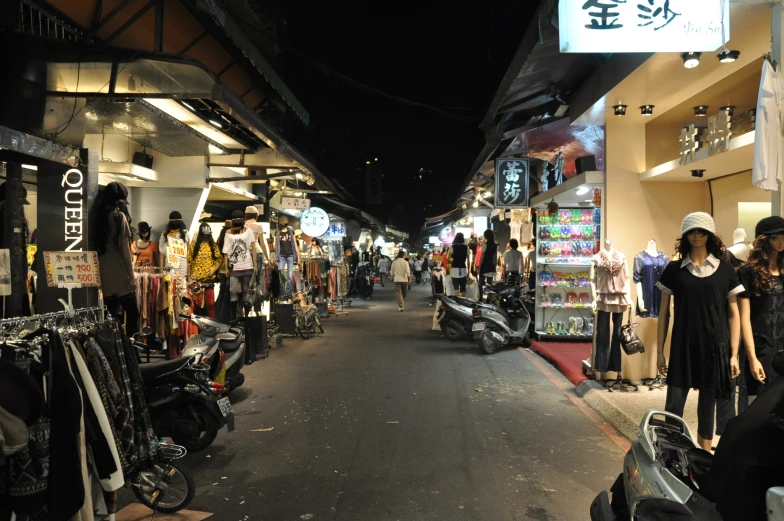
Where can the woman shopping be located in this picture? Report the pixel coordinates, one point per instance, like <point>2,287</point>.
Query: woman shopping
<point>459,272</point>
<point>762,309</point>
<point>488,262</point>
<point>204,263</point>
<point>706,325</point>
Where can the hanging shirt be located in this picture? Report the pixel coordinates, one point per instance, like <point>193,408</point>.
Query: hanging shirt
<point>647,271</point>
<point>766,173</point>
<point>239,247</point>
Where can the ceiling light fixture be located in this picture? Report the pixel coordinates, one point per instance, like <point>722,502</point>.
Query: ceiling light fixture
<point>647,110</point>
<point>487,194</point>
<point>475,204</point>
<point>620,110</point>
<point>216,123</point>
<point>189,106</point>
<point>697,173</point>
<point>701,110</point>
<point>297,194</point>
<point>729,109</point>
<point>583,190</point>
<point>691,59</point>
<point>727,56</point>
<point>299,175</point>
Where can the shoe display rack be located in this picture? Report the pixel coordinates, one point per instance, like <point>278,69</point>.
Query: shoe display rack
<point>566,241</point>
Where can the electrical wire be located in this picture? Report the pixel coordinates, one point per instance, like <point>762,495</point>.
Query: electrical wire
<point>76,100</point>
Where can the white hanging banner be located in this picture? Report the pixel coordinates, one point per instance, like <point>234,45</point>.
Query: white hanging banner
<point>610,26</point>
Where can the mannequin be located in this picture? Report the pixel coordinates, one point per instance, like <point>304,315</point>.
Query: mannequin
<point>287,250</point>
<point>740,248</point>
<point>648,267</point>
<point>610,292</point>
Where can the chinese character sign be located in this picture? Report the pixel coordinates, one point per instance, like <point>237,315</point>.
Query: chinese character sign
<point>600,26</point>
<point>511,182</point>
<point>68,267</point>
<point>294,203</point>
<point>719,133</point>
<point>336,229</point>
<point>690,144</point>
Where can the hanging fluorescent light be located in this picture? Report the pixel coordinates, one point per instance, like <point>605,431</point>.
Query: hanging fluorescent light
<point>701,110</point>
<point>691,59</point>
<point>620,110</point>
<point>216,123</point>
<point>647,110</point>
<point>583,190</point>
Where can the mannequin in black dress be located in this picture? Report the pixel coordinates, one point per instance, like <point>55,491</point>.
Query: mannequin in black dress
<point>706,327</point>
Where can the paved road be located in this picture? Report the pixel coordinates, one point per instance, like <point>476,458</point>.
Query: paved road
<point>379,419</point>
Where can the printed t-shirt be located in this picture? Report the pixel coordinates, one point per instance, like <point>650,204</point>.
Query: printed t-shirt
<point>286,240</point>
<point>203,265</point>
<point>144,257</point>
<point>239,247</point>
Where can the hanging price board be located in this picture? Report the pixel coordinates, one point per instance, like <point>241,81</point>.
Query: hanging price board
<point>176,251</point>
<point>72,267</point>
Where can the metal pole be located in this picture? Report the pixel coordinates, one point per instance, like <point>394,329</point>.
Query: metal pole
<point>15,239</point>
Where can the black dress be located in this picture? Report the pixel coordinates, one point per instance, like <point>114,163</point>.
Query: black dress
<point>700,347</point>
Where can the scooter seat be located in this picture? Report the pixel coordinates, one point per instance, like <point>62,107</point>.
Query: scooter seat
<point>155,370</point>
<point>700,465</point>
<point>231,345</point>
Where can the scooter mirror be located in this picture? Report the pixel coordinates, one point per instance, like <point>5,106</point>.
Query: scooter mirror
<point>146,331</point>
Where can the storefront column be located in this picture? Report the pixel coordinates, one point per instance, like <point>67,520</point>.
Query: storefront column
<point>777,30</point>
<point>14,234</point>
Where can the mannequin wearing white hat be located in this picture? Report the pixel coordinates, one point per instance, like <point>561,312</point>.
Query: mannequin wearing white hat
<point>706,325</point>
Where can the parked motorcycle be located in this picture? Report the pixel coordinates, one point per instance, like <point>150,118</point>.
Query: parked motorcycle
<point>667,476</point>
<point>167,486</point>
<point>493,333</point>
<point>183,405</point>
<point>220,346</point>
<point>456,314</point>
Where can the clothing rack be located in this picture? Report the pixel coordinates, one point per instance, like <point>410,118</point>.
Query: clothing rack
<point>100,310</point>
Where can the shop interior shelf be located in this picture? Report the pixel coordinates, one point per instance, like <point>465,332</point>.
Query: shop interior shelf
<point>544,335</point>
<point>564,287</point>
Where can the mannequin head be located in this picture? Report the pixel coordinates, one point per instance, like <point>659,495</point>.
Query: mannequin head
<point>205,235</point>
<point>237,221</point>
<point>144,231</point>
<point>251,213</point>
<point>489,235</point>
<point>739,236</point>
<point>768,251</point>
<point>459,238</point>
<point>112,204</point>
<point>176,226</point>
<point>699,238</point>
<point>283,221</point>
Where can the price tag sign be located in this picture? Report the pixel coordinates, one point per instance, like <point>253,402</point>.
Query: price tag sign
<point>72,267</point>
<point>176,252</point>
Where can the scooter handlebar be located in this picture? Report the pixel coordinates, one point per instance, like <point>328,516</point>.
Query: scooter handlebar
<point>185,317</point>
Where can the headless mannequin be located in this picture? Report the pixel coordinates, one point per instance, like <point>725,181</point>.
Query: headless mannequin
<point>607,247</point>
<point>740,248</point>
<point>653,252</point>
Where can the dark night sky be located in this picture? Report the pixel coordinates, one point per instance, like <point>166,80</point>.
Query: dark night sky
<point>448,55</point>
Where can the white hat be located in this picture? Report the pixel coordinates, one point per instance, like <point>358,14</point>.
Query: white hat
<point>697,220</point>
<point>252,209</point>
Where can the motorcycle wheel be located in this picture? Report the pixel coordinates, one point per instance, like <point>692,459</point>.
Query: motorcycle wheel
<point>527,340</point>
<point>172,490</point>
<point>487,342</point>
<point>208,430</point>
<point>452,329</point>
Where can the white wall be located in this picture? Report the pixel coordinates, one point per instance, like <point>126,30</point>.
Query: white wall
<point>153,205</point>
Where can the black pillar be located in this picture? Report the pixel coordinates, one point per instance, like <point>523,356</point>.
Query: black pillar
<point>14,239</point>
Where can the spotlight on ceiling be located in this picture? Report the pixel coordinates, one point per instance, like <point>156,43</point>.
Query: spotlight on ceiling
<point>299,175</point>
<point>646,110</point>
<point>691,59</point>
<point>486,195</point>
<point>729,109</point>
<point>697,173</point>
<point>701,110</point>
<point>727,56</point>
<point>475,204</point>
<point>620,110</point>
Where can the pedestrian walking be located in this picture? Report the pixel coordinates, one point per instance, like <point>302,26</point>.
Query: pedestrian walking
<point>383,269</point>
<point>513,264</point>
<point>706,325</point>
<point>401,276</point>
<point>418,271</point>
<point>459,273</point>
<point>761,309</point>
<point>487,262</point>
<point>426,269</point>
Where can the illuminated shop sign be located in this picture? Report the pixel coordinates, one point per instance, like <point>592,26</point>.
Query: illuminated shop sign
<point>609,26</point>
<point>511,183</point>
<point>314,222</point>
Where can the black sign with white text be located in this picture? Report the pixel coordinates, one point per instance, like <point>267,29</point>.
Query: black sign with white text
<point>511,183</point>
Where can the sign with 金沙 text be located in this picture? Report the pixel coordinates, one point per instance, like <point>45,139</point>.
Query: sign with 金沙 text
<point>70,267</point>
<point>610,26</point>
<point>294,203</point>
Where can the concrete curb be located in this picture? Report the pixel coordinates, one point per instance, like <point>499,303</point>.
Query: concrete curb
<point>595,395</point>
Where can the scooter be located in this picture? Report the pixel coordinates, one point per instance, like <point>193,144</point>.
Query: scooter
<point>493,333</point>
<point>456,315</point>
<point>182,403</point>
<point>219,346</point>
<point>667,476</point>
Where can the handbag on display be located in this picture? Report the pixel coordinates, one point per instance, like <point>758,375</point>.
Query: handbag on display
<point>253,295</point>
<point>630,342</point>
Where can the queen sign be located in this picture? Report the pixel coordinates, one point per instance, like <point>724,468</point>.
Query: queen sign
<point>511,183</point>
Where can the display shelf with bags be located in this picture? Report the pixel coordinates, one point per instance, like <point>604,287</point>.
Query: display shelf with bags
<point>567,239</point>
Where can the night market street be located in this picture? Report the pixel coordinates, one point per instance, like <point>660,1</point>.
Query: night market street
<point>381,419</point>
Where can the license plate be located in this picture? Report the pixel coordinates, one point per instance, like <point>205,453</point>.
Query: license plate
<point>225,406</point>
<point>478,326</point>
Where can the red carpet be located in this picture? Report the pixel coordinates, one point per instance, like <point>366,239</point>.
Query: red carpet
<point>566,357</point>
